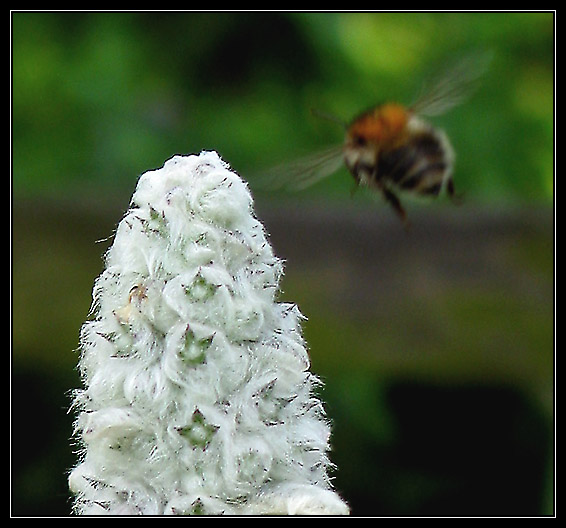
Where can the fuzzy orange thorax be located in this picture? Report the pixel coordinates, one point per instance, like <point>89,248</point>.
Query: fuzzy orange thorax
<point>383,124</point>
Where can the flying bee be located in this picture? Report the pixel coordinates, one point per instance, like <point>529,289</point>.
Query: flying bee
<point>390,148</point>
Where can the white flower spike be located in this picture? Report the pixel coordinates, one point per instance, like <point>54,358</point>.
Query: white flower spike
<point>198,397</point>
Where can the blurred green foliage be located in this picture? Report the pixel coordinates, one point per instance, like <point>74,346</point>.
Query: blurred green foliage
<point>436,349</point>
<point>102,97</point>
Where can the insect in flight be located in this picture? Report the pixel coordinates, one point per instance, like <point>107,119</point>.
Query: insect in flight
<point>390,148</point>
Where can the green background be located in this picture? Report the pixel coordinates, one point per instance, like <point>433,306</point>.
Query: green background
<point>436,346</point>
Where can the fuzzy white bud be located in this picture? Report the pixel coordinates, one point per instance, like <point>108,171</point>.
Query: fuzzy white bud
<point>198,396</point>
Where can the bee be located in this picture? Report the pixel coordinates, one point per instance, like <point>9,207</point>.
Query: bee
<point>391,148</point>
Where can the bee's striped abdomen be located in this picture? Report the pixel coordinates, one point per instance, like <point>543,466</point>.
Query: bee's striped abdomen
<point>421,165</point>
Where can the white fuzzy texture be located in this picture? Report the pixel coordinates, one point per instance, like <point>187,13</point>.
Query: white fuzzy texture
<point>198,396</point>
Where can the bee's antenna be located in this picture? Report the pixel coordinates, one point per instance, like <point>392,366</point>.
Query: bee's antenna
<point>328,117</point>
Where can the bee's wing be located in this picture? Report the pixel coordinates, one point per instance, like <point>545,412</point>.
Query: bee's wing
<point>455,85</point>
<point>303,172</point>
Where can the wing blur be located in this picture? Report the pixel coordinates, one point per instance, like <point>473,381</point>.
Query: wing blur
<point>453,87</point>
<point>304,172</point>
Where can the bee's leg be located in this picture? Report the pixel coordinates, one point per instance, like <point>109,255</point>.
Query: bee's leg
<point>392,199</point>
<point>357,180</point>
<point>457,199</point>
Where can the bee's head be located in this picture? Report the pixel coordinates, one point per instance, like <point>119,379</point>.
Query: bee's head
<point>378,128</point>
<point>359,152</point>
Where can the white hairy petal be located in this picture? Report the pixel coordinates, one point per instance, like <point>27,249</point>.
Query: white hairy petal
<point>197,398</point>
